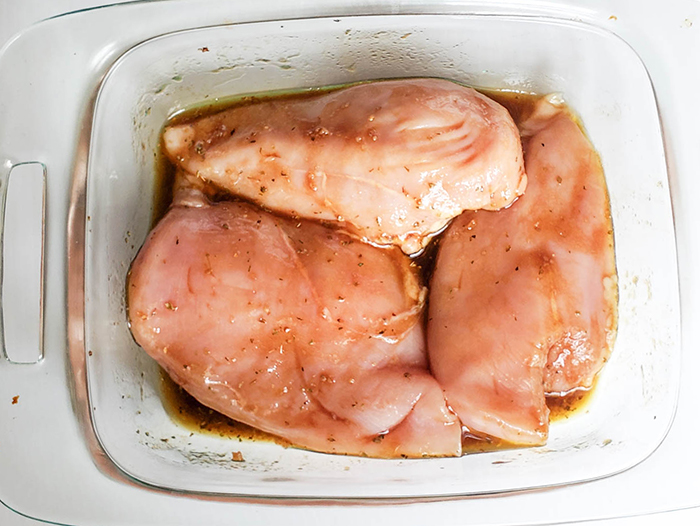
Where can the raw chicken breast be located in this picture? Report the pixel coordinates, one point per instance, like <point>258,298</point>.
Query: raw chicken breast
<point>523,300</point>
<point>394,161</point>
<point>291,327</point>
<point>573,211</point>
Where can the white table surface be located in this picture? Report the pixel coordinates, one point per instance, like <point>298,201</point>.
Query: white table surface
<point>668,483</point>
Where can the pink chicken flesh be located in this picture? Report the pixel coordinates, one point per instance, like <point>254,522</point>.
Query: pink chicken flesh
<point>293,328</point>
<point>523,301</point>
<point>392,161</point>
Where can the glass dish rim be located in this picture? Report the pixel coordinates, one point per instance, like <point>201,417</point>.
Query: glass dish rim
<point>77,233</point>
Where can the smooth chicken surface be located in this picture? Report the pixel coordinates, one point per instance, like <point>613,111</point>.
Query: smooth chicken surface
<point>291,327</point>
<point>393,161</point>
<point>575,215</point>
<point>523,300</point>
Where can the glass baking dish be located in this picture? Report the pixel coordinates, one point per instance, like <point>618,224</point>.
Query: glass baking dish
<point>597,73</point>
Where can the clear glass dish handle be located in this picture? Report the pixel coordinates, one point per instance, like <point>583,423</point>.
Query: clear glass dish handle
<point>22,229</point>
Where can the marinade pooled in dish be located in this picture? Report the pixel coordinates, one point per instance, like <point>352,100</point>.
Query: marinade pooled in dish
<point>303,329</point>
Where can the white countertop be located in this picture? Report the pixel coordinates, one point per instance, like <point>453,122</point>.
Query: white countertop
<point>669,479</point>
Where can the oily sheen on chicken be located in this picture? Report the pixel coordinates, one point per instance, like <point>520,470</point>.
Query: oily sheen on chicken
<point>291,327</point>
<point>392,161</point>
<point>523,300</point>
